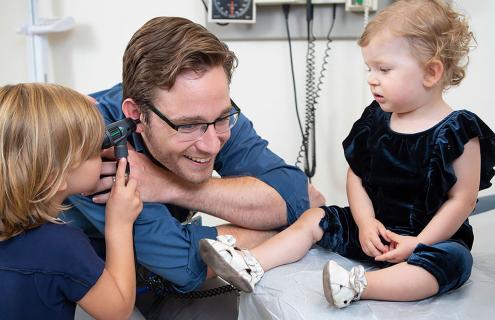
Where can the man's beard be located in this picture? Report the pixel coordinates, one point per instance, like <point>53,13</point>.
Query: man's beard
<point>174,169</point>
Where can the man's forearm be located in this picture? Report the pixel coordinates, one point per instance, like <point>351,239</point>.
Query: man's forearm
<point>243,201</point>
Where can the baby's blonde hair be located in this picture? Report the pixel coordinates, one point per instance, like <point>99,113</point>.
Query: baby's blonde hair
<point>45,131</point>
<point>433,29</point>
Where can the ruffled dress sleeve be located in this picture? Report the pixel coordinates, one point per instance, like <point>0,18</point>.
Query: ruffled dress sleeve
<point>355,145</point>
<point>449,141</point>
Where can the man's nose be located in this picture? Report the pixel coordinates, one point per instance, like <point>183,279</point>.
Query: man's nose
<point>209,141</point>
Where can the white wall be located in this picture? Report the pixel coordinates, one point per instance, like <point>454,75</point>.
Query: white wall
<point>89,59</point>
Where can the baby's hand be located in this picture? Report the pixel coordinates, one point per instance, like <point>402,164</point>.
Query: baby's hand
<point>369,237</point>
<point>400,249</point>
<point>124,204</point>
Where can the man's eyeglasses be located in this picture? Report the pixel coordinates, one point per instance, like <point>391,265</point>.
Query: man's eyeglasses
<point>194,131</point>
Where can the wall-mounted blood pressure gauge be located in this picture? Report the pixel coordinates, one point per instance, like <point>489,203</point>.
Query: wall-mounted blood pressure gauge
<point>237,11</point>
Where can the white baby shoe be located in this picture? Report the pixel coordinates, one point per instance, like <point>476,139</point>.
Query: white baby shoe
<point>340,286</point>
<point>238,267</point>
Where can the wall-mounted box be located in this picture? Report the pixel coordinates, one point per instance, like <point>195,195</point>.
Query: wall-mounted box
<point>270,22</point>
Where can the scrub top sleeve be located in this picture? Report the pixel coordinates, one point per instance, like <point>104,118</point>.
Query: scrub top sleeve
<point>110,103</point>
<point>247,154</point>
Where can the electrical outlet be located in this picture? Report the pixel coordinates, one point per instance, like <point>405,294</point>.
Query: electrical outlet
<point>277,2</point>
<point>360,5</point>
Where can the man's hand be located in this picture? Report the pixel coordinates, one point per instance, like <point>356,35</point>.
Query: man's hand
<point>155,183</point>
<point>316,198</point>
<point>151,179</point>
<point>401,248</point>
<point>108,171</point>
<point>369,237</point>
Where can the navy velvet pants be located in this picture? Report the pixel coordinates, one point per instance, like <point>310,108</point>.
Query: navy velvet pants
<point>449,261</point>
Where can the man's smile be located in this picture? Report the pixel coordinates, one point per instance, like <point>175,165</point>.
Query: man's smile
<point>198,160</point>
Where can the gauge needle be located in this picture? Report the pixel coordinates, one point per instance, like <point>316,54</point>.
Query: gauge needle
<point>231,7</point>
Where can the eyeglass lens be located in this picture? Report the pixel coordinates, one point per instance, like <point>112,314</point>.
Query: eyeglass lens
<point>195,131</point>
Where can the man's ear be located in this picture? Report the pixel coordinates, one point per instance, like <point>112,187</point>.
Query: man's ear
<point>433,73</point>
<point>131,110</point>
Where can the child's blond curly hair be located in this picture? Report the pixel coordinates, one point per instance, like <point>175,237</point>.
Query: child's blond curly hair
<point>433,29</point>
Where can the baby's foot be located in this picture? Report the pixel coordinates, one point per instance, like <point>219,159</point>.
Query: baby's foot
<point>340,286</point>
<point>237,267</point>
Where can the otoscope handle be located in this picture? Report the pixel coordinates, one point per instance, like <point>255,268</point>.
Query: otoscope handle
<point>120,152</point>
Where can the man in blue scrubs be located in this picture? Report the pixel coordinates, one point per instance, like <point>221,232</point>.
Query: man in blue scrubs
<point>176,78</point>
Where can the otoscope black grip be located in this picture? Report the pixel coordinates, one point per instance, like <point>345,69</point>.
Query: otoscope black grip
<point>117,132</point>
<point>120,150</point>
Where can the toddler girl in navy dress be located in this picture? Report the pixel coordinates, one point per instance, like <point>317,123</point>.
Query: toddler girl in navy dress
<point>415,169</point>
<point>50,145</point>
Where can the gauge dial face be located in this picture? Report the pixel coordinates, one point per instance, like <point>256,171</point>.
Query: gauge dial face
<point>232,10</point>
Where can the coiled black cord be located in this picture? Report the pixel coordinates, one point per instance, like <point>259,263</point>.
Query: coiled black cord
<point>308,146</point>
<point>326,55</point>
<point>307,151</point>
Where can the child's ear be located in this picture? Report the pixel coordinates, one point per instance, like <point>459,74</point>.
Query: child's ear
<point>63,186</point>
<point>131,110</point>
<point>433,73</point>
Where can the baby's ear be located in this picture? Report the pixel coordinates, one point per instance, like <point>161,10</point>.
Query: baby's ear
<point>433,73</point>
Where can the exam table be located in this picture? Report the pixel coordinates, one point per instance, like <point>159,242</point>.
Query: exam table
<point>295,292</point>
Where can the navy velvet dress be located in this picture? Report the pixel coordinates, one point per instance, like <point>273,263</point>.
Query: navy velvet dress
<point>407,177</point>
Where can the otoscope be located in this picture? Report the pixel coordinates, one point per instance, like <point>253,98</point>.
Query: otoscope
<point>116,134</point>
